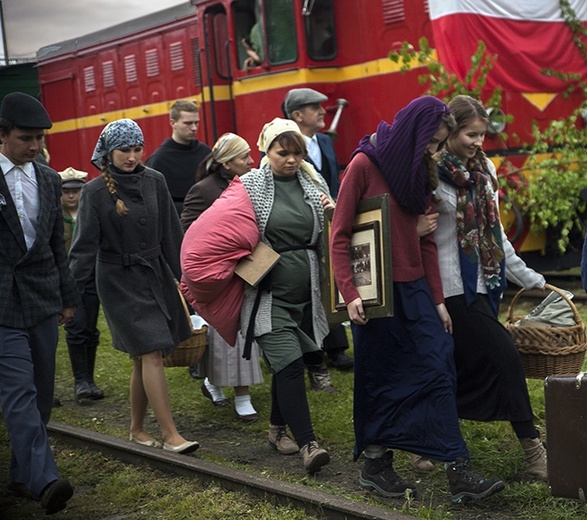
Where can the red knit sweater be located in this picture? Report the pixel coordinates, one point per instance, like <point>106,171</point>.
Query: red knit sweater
<point>412,257</point>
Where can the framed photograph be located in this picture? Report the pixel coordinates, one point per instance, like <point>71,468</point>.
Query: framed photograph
<point>370,260</point>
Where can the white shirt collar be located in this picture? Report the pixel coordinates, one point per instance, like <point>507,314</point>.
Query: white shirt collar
<point>7,165</point>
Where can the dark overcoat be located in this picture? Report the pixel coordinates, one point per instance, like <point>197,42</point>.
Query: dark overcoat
<point>37,283</point>
<point>201,196</point>
<point>137,260</point>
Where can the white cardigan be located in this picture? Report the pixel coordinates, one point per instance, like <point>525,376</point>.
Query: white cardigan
<point>448,249</point>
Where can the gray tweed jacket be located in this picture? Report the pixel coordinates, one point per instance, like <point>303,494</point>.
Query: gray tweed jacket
<point>37,283</point>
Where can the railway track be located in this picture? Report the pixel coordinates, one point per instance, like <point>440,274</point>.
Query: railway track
<point>317,503</point>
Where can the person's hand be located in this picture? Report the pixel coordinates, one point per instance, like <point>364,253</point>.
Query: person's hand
<point>326,201</point>
<point>356,312</point>
<point>66,315</point>
<point>427,223</point>
<point>253,58</point>
<point>444,317</point>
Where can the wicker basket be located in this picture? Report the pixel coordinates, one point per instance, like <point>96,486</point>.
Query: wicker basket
<point>548,351</point>
<point>190,351</point>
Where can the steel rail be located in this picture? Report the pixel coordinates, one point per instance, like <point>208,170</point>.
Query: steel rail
<point>318,503</point>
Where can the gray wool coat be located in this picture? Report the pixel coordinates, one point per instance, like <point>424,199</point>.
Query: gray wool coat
<point>136,258</point>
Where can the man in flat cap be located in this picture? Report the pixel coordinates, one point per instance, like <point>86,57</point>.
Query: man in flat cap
<point>81,333</point>
<point>38,293</point>
<point>304,106</point>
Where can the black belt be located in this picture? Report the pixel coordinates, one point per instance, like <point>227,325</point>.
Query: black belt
<point>265,284</point>
<point>128,259</point>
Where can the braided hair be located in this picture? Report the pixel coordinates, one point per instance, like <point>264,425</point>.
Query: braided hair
<point>121,208</point>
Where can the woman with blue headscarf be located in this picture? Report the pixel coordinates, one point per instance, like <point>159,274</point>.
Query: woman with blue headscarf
<point>129,229</point>
<point>405,380</point>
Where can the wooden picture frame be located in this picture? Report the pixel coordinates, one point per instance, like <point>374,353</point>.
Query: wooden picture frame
<point>370,256</point>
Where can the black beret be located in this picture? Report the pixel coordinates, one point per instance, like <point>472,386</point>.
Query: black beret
<point>24,111</point>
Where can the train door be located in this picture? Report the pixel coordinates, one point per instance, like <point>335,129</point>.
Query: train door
<point>217,98</point>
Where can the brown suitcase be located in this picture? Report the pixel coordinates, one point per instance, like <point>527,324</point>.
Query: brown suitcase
<point>565,401</point>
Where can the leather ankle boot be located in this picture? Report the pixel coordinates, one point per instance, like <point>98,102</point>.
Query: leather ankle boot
<point>535,458</point>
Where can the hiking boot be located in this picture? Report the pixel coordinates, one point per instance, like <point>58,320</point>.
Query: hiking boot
<point>314,457</point>
<point>421,464</point>
<point>281,441</point>
<point>320,379</point>
<point>535,458</point>
<point>378,474</point>
<point>466,485</point>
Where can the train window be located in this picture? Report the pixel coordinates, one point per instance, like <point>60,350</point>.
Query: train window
<point>281,31</point>
<point>89,79</point>
<point>130,68</point>
<point>248,32</point>
<point>108,74</point>
<point>320,33</point>
<point>152,62</point>
<point>176,56</point>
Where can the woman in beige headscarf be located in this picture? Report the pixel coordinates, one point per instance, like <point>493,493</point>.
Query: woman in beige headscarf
<point>222,364</point>
<point>288,198</point>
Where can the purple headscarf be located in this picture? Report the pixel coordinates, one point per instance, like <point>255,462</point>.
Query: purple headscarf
<point>399,150</point>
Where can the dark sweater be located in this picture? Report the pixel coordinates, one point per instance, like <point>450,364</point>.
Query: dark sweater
<point>178,163</point>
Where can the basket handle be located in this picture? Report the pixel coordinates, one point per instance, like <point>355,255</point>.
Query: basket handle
<point>576,314</point>
<point>185,307</point>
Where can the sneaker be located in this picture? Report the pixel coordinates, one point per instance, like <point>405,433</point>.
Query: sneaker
<point>314,457</point>
<point>320,380</point>
<point>281,441</point>
<point>378,474</point>
<point>466,485</point>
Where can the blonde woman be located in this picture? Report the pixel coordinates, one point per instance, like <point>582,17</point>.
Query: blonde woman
<point>129,229</point>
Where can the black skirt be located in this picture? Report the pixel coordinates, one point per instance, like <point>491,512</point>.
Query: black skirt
<point>491,385</point>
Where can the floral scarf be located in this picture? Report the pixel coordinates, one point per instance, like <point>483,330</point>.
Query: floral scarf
<point>478,226</point>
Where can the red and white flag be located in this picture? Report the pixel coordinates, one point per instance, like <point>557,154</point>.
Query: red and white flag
<point>528,36</point>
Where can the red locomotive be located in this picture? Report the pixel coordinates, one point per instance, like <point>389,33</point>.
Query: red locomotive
<point>340,47</point>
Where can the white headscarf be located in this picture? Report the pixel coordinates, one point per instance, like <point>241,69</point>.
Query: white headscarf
<point>228,147</point>
<point>272,131</point>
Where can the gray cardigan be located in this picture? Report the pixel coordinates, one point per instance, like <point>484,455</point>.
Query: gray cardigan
<point>261,189</point>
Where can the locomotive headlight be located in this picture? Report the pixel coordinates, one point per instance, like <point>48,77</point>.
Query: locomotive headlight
<point>496,120</point>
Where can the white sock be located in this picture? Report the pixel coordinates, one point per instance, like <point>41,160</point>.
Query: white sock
<point>215,391</point>
<point>243,406</point>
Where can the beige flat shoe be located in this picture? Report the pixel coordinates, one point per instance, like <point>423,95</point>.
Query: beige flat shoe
<point>151,443</point>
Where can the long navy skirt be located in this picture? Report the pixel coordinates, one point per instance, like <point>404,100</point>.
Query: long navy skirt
<point>405,379</point>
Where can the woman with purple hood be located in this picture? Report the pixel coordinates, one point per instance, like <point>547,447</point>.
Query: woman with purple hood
<point>405,380</point>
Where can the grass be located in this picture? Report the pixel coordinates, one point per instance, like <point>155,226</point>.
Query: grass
<point>106,487</point>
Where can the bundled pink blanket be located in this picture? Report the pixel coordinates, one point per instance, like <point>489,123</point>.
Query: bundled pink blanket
<point>212,247</point>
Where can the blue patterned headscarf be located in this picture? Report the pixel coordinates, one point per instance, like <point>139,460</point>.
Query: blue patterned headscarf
<point>122,133</point>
